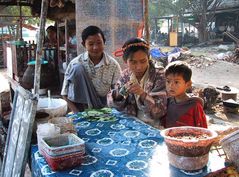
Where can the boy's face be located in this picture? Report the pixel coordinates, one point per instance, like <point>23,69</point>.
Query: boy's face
<point>94,45</point>
<point>176,85</point>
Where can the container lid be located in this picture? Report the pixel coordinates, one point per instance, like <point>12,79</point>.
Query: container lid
<point>19,43</point>
<point>34,62</point>
<point>47,129</point>
<point>230,137</point>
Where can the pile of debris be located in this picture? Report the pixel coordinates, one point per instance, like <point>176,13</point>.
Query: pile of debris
<point>197,61</point>
<point>234,58</point>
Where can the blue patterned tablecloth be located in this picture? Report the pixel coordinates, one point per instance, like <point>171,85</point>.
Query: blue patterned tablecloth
<point>119,147</point>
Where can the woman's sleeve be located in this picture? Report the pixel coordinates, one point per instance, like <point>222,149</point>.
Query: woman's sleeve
<point>120,102</point>
<point>155,103</point>
<point>156,100</point>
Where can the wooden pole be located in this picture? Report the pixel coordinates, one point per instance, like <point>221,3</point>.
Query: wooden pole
<point>40,38</point>
<point>20,20</point>
<point>146,20</point>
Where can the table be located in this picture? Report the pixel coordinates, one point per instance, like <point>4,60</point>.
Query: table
<point>120,146</point>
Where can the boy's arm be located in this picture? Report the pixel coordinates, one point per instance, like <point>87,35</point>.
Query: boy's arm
<point>200,117</point>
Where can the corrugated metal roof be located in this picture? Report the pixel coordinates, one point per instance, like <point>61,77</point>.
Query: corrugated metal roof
<point>15,2</point>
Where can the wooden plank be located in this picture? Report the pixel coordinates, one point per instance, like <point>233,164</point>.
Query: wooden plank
<point>19,133</point>
<point>44,8</point>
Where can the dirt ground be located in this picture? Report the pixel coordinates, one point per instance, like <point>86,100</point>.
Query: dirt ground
<point>211,70</point>
<point>215,66</point>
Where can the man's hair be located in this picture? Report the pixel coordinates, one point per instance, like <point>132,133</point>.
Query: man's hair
<point>90,31</point>
<point>179,68</point>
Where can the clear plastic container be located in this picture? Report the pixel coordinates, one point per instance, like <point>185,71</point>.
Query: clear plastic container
<point>44,130</point>
<point>230,145</point>
<point>63,144</point>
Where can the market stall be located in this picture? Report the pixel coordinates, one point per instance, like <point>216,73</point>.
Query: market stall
<point>117,144</point>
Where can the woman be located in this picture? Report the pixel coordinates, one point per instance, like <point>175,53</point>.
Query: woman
<point>51,37</point>
<point>140,91</point>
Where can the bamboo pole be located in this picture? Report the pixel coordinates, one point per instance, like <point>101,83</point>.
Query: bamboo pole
<point>40,38</point>
<point>146,20</point>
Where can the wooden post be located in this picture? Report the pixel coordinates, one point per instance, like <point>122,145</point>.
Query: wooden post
<point>146,20</point>
<point>20,20</point>
<point>156,29</point>
<point>44,8</point>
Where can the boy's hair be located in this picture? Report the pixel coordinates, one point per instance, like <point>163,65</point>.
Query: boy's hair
<point>90,31</point>
<point>179,68</point>
<point>133,45</point>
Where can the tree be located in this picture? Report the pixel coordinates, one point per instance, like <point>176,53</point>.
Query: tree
<point>204,12</point>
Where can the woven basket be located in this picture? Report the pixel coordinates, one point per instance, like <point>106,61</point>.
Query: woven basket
<point>64,123</point>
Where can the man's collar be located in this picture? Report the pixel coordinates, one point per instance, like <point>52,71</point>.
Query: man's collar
<point>105,58</point>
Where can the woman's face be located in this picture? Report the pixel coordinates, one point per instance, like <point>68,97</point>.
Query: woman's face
<point>95,46</point>
<point>51,35</point>
<point>138,63</point>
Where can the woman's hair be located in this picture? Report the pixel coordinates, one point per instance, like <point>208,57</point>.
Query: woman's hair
<point>90,31</point>
<point>52,28</point>
<point>179,68</point>
<point>133,45</point>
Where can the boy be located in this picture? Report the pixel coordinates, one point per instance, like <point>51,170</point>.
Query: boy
<point>182,110</point>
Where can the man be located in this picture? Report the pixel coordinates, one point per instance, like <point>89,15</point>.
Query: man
<point>89,77</point>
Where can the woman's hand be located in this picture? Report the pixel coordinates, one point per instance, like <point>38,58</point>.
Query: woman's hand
<point>135,88</point>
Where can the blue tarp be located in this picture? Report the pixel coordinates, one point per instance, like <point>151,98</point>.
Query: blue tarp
<point>156,53</point>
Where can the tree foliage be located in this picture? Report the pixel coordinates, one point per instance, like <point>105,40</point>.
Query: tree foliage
<point>202,10</point>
